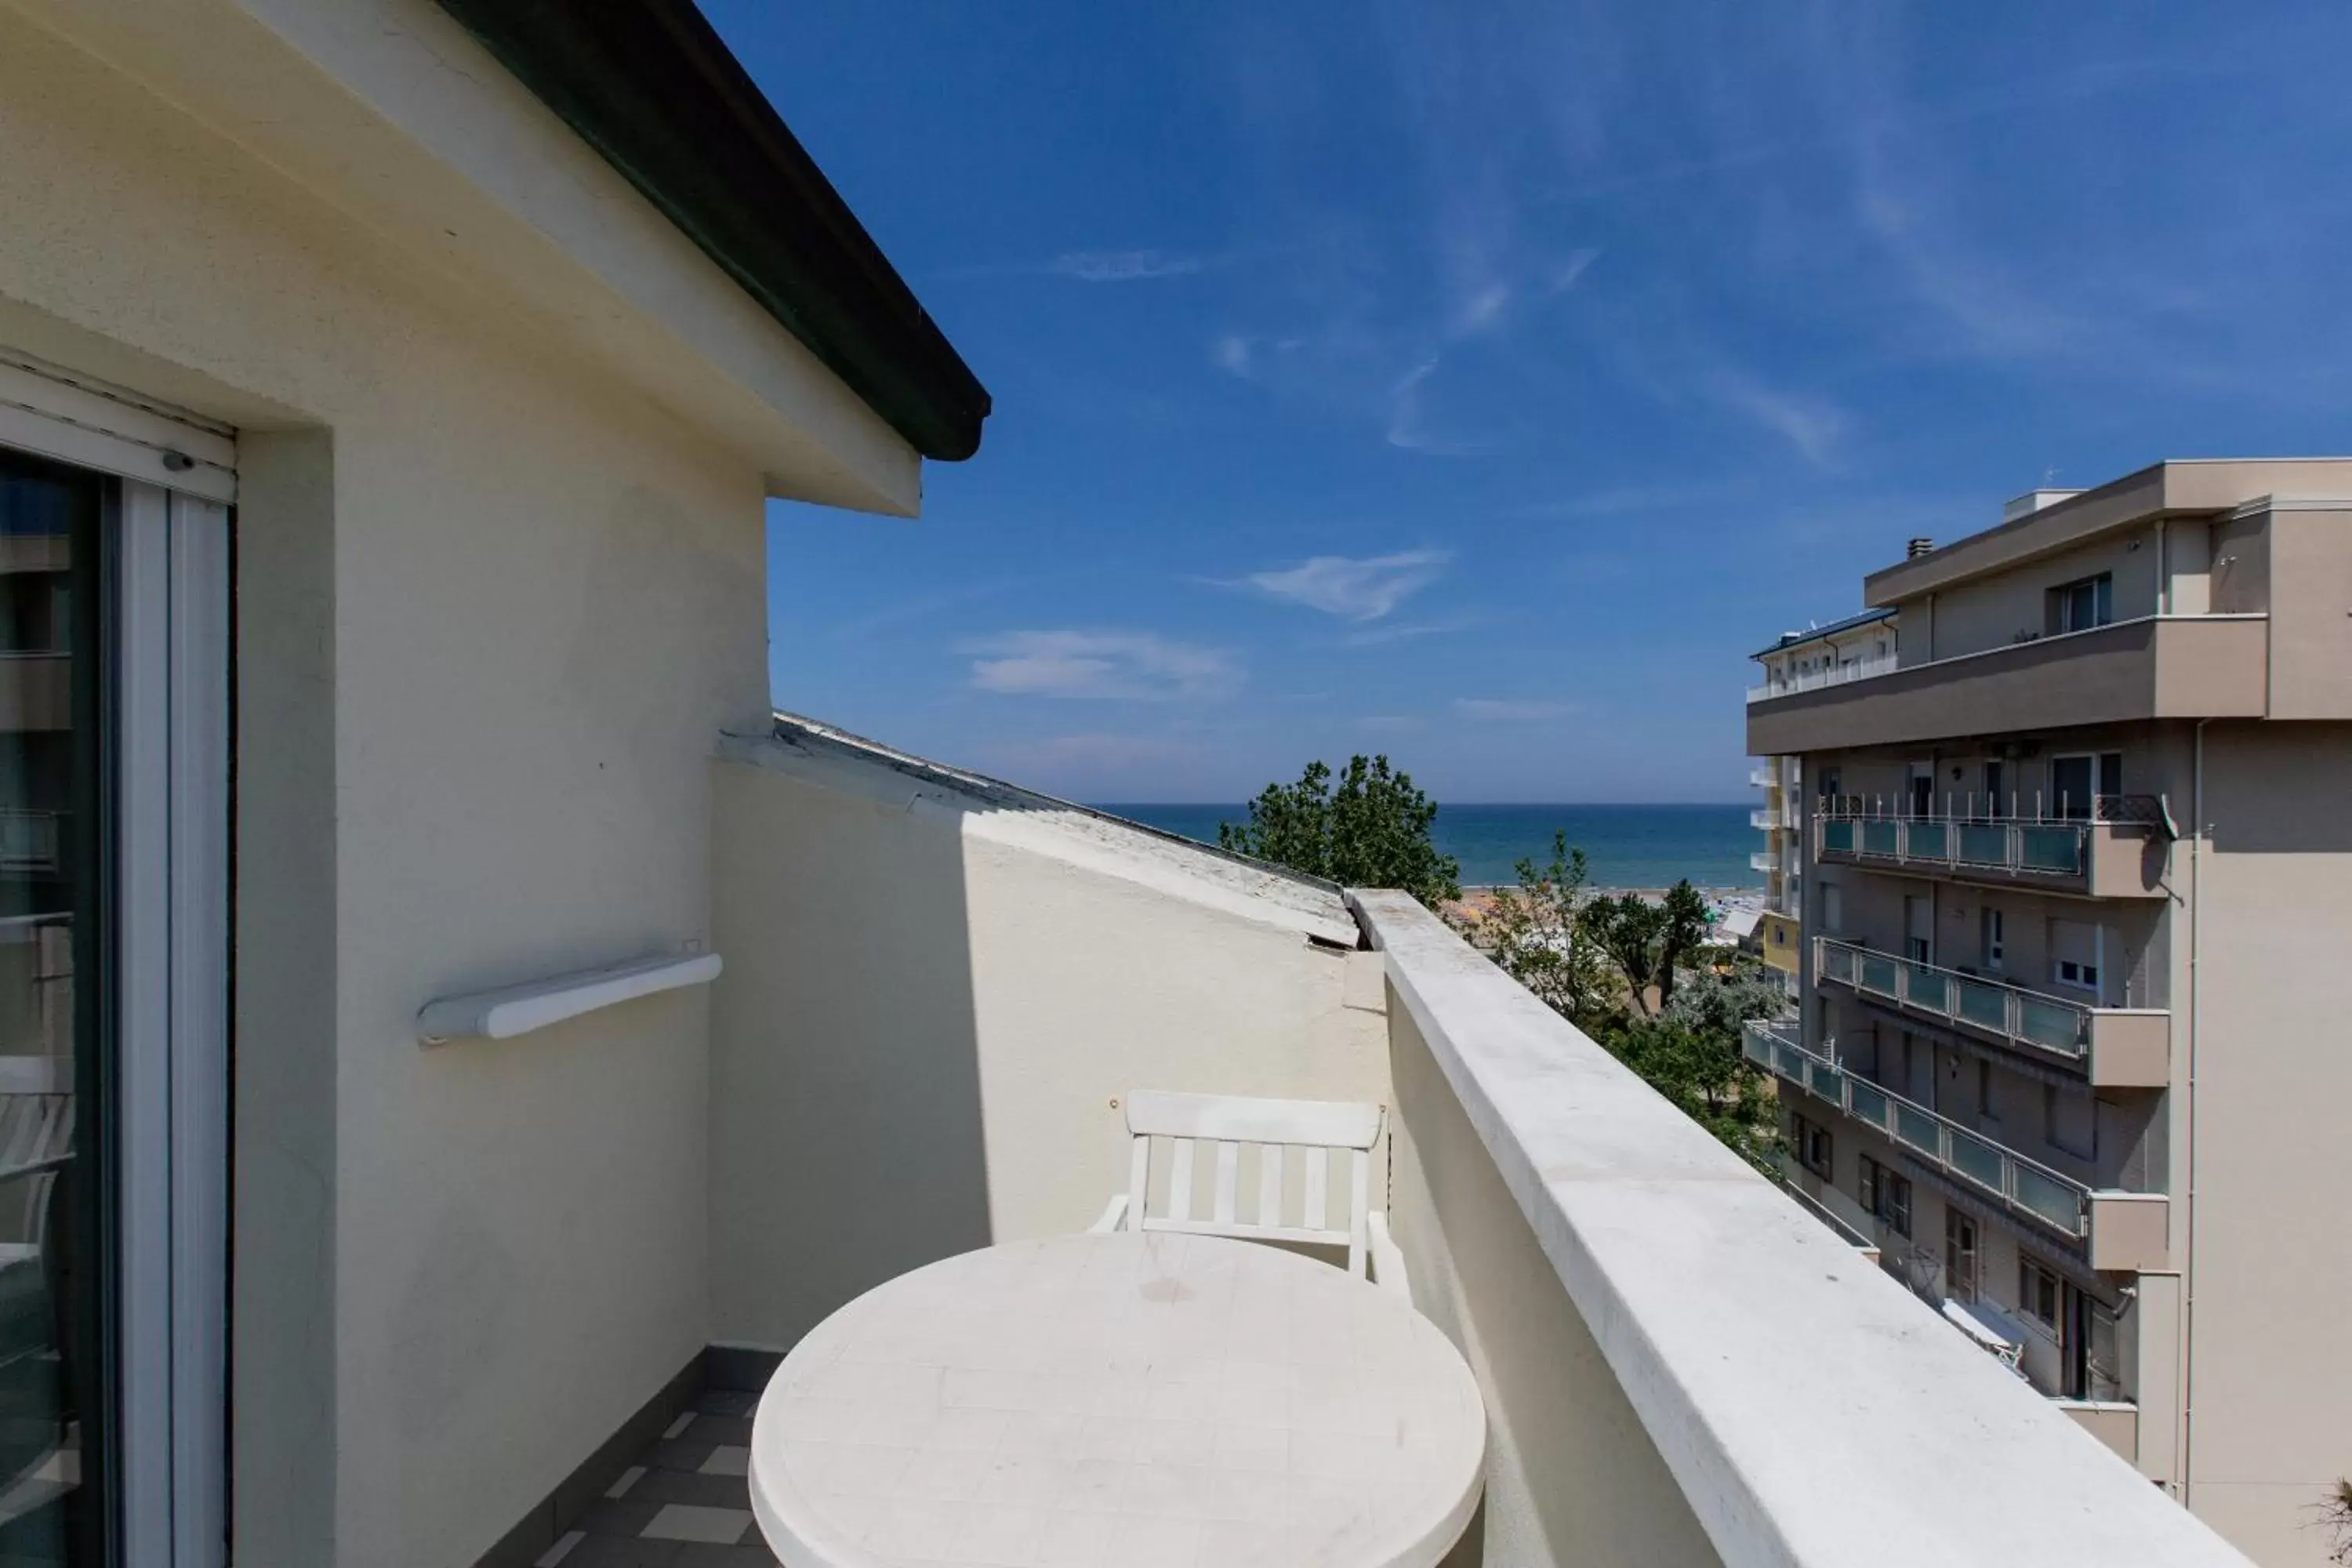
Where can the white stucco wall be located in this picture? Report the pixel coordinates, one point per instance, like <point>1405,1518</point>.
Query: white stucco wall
<point>932,1000</point>
<point>493,609</point>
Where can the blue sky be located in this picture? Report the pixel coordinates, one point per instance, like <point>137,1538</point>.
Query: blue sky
<point>1482,382</point>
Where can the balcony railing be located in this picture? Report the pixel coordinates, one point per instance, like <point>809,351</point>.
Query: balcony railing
<point>2018,1015</point>
<point>1829,675</point>
<point>28,841</point>
<point>1763,860</point>
<point>1772,820</point>
<point>1970,838</point>
<point>2032,1190</point>
<point>1764,776</point>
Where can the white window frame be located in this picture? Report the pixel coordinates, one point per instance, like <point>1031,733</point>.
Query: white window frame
<point>177,475</point>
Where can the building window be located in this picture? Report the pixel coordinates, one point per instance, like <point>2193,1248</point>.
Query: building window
<point>2042,1297</point>
<point>1813,1141</point>
<point>1959,1255</point>
<point>2078,784</point>
<point>2072,972</point>
<point>2086,603</point>
<point>1993,939</point>
<point>1984,1090</point>
<point>1886,1195</point>
<point>2070,1122</point>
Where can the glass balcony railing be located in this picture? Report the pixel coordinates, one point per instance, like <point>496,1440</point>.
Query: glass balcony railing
<point>1762,861</point>
<point>2057,847</point>
<point>2025,1187</point>
<point>2016,1014</point>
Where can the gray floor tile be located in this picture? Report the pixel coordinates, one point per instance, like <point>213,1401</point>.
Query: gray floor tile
<point>749,1555</point>
<point>685,1486</point>
<point>625,1516</point>
<point>734,1429</point>
<point>726,1402</point>
<point>684,1453</point>
<point>622,1552</point>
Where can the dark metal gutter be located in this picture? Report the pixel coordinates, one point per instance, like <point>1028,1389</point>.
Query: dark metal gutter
<point>650,86</point>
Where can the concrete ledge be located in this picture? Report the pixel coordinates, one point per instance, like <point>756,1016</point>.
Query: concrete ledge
<point>1809,1411</point>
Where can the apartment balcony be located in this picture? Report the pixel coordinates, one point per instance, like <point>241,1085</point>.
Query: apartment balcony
<point>1629,1294</point>
<point>1774,818</point>
<point>2117,1230</point>
<point>1764,861</point>
<point>2117,1048</point>
<point>2157,667</point>
<point>1818,680</point>
<point>2119,849</point>
<point>1764,776</point>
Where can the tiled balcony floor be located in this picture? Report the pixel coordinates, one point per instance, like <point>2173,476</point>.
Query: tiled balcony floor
<point>682,1503</point>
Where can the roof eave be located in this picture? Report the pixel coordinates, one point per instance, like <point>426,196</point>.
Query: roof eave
<point>654,89</point>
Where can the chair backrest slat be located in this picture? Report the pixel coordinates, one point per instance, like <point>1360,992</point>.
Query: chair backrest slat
<point>1180,1182</point>
<point>1358,1188</point>
<point>1317,1129</point>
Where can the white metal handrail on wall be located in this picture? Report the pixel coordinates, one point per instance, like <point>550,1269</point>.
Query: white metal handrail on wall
<point>2021,1016</point>
<point>2023,1185</point>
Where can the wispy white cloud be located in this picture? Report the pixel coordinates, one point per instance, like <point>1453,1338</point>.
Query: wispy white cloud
<point>1355,588</point>
<point>1137,265</point>
<point>1137,666</point>
<point>1407,427</point>
<point>1124,265</point>
<point>1813,425</point>
<point>1619,501</point>
<point>1232,353</point>
<point>1512,709</point>
<point>1404,631</point>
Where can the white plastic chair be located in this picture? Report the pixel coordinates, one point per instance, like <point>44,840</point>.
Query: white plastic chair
<point>1310,1130</point>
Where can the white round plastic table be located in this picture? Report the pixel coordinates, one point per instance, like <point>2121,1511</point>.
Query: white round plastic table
<point>1125,1400</point>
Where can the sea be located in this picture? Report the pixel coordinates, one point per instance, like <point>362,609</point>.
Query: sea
<point>1628,846</point>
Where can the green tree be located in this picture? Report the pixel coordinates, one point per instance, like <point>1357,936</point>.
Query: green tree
<point>1536,933</point>
<point>1648,941</point>
<point>1627,930</point>
<point>1590,959</point>
<point>1709,1079</point>
<point>1372,831</point>
<point>1684,931</point>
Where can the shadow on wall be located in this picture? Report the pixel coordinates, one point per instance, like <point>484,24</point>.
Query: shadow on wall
<point>847,1131</point>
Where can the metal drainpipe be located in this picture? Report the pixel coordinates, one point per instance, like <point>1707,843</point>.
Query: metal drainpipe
<point>2189,1120</point>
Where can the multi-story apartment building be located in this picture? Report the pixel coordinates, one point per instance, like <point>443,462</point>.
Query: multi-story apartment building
<point>2075,869</point>
<point>1843,650</point>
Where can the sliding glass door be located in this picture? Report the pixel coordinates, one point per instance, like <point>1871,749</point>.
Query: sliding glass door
<point>112,986</point>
